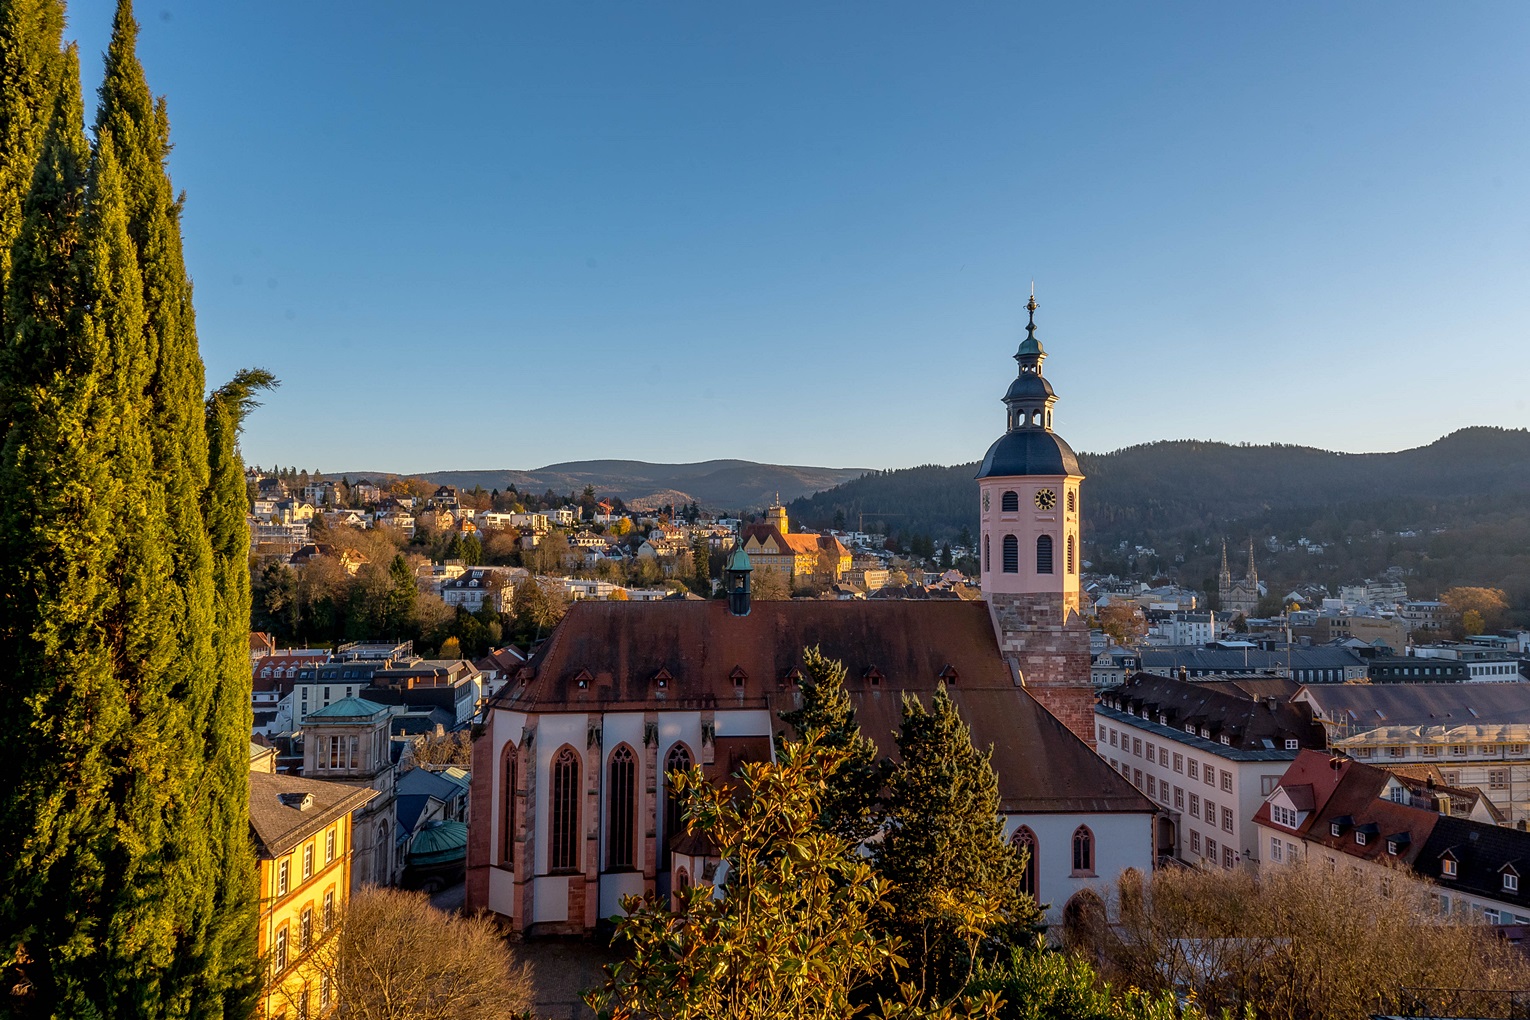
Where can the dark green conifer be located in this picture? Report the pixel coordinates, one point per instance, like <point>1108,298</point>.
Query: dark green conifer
<point>31,67</point>
<point>850,806</point>
<point>943,848</point>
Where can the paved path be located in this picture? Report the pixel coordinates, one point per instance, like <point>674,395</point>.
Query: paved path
<point>561,970</point>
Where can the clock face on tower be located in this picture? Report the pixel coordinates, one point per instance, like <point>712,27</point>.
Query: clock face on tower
<point>1046,499</point>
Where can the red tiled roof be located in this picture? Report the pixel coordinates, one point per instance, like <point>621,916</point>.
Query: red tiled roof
<point>717,660</point>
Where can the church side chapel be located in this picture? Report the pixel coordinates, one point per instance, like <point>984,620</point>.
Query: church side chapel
<point>571,810</point>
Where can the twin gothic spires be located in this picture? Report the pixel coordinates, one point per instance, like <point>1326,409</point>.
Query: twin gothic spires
<point>1225,575</point>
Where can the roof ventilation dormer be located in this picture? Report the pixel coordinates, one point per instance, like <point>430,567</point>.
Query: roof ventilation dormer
<point>948,673</point>
<point>738,676</point>
<point>873,676</point>
<point>301,801</point>
<point>794,675</point>
<point>662,678</point>
<point>583,678</point>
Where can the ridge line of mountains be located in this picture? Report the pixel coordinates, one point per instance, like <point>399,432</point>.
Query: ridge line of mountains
<point>1456,511</point>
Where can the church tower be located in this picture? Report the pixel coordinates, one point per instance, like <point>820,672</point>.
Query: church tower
<point>1029,513</point>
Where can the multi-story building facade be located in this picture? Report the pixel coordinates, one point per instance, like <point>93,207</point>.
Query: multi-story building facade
<point>798,558</point>
<point>1303,664</point>
<point>348,743</point>
<point>1207,752</point>
<point>1478,735</point>
<point>302,833</point>
<point>477,585</point>
<point>1348,815</point>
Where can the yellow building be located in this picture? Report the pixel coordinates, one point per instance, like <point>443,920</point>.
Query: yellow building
<point>800,559</point>
<point>302,833</point>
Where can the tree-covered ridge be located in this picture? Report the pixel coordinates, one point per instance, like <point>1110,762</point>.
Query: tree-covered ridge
<point>1462,496</point>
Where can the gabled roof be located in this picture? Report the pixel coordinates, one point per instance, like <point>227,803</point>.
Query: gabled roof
<point>1347,792</point>
<point>279,827</point>
<point>622,645</point>
<point>1482,853</point>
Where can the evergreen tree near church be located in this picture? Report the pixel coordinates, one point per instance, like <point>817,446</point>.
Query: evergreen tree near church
<point>955,879</point>
<point>850,806</point>
<point>124,600</point>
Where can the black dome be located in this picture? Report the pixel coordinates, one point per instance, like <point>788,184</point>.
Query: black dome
<point>1029,387</point>
<point>1029,452</point>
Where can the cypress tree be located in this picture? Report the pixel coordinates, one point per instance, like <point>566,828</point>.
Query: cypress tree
<point>31,69</point>
<point>124,843</point>
<point>943,848</point>
<point>203,809</point>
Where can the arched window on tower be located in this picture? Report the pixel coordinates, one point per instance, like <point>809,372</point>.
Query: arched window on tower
<point>563,848</point>
<point>987,566</point>
<point>1073,501</point>
<point>1072,554</point>
<point>1011,554</point>
<point>1024,839</point>
<point>1083,851</point>
<point>1044,554</point>
<point>678,760</point>
<point>621,808</point>
<point>1010,503</point>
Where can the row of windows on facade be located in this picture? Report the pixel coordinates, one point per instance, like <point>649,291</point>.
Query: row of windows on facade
<point>1433,750</point>
<point>621,815</point>
<point>1285,852</point>
<point>621,807</point>
<point>1160,790</point>
<point>282,954</point>
<point>1208,851</point>
<point>1024,838</point>
<point>1011,555</point>
<point>1009,503</point>
<point>302,1001</point>
<point>284,866</point>
<point>1163,756</point>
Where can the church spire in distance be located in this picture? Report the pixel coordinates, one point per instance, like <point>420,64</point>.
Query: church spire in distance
<point>1253,575</point>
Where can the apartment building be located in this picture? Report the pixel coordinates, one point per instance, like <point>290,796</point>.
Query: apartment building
<point>1208,752</point>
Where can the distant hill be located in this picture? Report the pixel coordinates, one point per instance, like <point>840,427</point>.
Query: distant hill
<point>1467,496</point>
<point>715,484</point>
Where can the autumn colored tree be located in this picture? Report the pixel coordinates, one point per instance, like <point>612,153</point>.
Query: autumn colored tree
<point>1488,607</point>
<point>792,936</point>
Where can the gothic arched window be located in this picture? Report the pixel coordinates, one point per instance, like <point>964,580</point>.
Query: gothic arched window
<point>678,760</point>
<point>1010,502</point>
<point>621,808</point>
<point>1024,839</point>
<point>1044,554</point>
<point>1011,554</point>
<point>563,848</point>
<point>1072,555</point>
<point>1083,851</point>
<point>507,799</point>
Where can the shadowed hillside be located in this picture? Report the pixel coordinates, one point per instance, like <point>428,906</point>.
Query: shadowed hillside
<point>721,484</point>
<point>1466,495</point>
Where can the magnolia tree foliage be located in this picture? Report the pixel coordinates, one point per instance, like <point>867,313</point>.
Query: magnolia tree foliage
<point>791,933</point>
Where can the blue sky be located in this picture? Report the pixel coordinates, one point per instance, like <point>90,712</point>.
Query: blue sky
<point>483,235</point>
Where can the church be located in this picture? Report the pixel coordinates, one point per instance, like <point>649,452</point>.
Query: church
<point>1240,597</point>
<point>571,810</point>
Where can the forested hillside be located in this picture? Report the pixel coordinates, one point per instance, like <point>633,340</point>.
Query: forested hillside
<point>1465,498</point>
